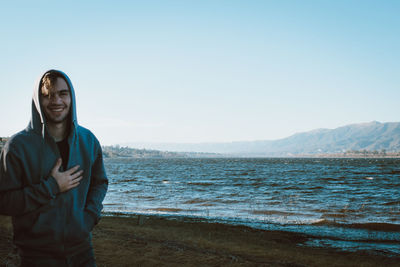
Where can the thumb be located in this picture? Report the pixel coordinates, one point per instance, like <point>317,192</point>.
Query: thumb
<point>57,165</point>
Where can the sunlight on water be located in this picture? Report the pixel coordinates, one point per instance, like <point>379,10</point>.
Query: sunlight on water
<point>325,193</point>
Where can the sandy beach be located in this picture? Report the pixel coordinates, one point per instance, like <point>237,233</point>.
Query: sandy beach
<point>157,241</point>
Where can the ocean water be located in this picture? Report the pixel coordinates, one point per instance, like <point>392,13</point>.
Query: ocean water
<point>350,204</point>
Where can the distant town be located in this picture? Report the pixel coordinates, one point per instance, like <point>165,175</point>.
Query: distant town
<point>354,154</point>
<point>127,152</point>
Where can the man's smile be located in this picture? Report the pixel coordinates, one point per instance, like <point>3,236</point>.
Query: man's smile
<point>56,109</point>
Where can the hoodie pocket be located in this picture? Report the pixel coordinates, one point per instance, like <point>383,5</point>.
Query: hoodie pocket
<point>28,220</point>
<point>79,227</point>
<point>89,221</point>
<point>41,227</point>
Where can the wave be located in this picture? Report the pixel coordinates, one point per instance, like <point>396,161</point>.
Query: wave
<point>316,188</point>
<point>387,227</point>
<point>272,212</point>
<point>195,201</point>
<point>127,180</point>
<point>167,209</point>
<point>334,215</point>
<point>132,191</point>
<point>226,201</point>
<point>145,197</point>
<point>291,188</point>
<point>207,205</point>
<point>392,203</point>
<point>201,183</point>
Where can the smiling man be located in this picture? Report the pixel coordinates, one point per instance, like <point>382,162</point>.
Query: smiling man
<point>52,180</point>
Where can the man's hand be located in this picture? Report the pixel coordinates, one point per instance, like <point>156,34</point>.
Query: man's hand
<point>68,179</point>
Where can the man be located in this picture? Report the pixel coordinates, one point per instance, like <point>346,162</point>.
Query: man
<point>52,180</point>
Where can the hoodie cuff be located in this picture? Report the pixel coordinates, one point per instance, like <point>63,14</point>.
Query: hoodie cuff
<point>52,187</point>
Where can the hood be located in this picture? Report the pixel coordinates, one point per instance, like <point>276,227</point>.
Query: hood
<point>38,119</point>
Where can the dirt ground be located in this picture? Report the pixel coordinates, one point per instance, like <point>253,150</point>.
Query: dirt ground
<point>156,241</point>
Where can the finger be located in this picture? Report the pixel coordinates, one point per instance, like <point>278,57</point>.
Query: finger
<point>76,180</point>
<point>73,185</point>
<point>76,175</point>
<point>57,165</point>
<point>73,169</point>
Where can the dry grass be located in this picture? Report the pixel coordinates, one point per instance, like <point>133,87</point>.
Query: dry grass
<point>155,241</point>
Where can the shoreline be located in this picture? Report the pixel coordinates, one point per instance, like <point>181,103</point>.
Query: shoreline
<point>151,240</point>
<point>348,156</point>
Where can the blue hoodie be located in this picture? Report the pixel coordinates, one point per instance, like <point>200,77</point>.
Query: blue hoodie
<point>45,221</point>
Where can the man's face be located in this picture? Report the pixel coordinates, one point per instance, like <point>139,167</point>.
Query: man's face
<point>56,101</point>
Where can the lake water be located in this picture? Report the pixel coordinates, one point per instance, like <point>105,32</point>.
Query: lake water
<point>347,203</point>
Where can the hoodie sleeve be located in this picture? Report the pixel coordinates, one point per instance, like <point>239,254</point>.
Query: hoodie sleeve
<point>17,198</point>
<point>98,187</point>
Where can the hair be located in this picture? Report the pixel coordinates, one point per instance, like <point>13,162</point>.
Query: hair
<point>48,81</point>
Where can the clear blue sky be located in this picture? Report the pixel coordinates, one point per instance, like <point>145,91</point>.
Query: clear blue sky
<point>199,71</point>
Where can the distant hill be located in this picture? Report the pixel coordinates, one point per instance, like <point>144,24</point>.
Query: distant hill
<point>372,136</point>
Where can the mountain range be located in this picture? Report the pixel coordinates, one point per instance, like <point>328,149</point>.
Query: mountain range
<point>371,136</point>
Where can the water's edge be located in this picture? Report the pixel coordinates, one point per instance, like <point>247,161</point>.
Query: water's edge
<point>341,237</point>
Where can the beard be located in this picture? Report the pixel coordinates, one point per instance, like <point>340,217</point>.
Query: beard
<point>54,118</point>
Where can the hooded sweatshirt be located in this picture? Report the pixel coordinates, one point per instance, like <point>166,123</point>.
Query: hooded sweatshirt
<point>47,222</point>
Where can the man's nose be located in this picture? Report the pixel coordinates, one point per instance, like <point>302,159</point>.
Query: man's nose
<point>55,98</point>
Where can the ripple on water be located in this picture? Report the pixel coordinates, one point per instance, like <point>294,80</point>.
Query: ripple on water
<point>336,192</point>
